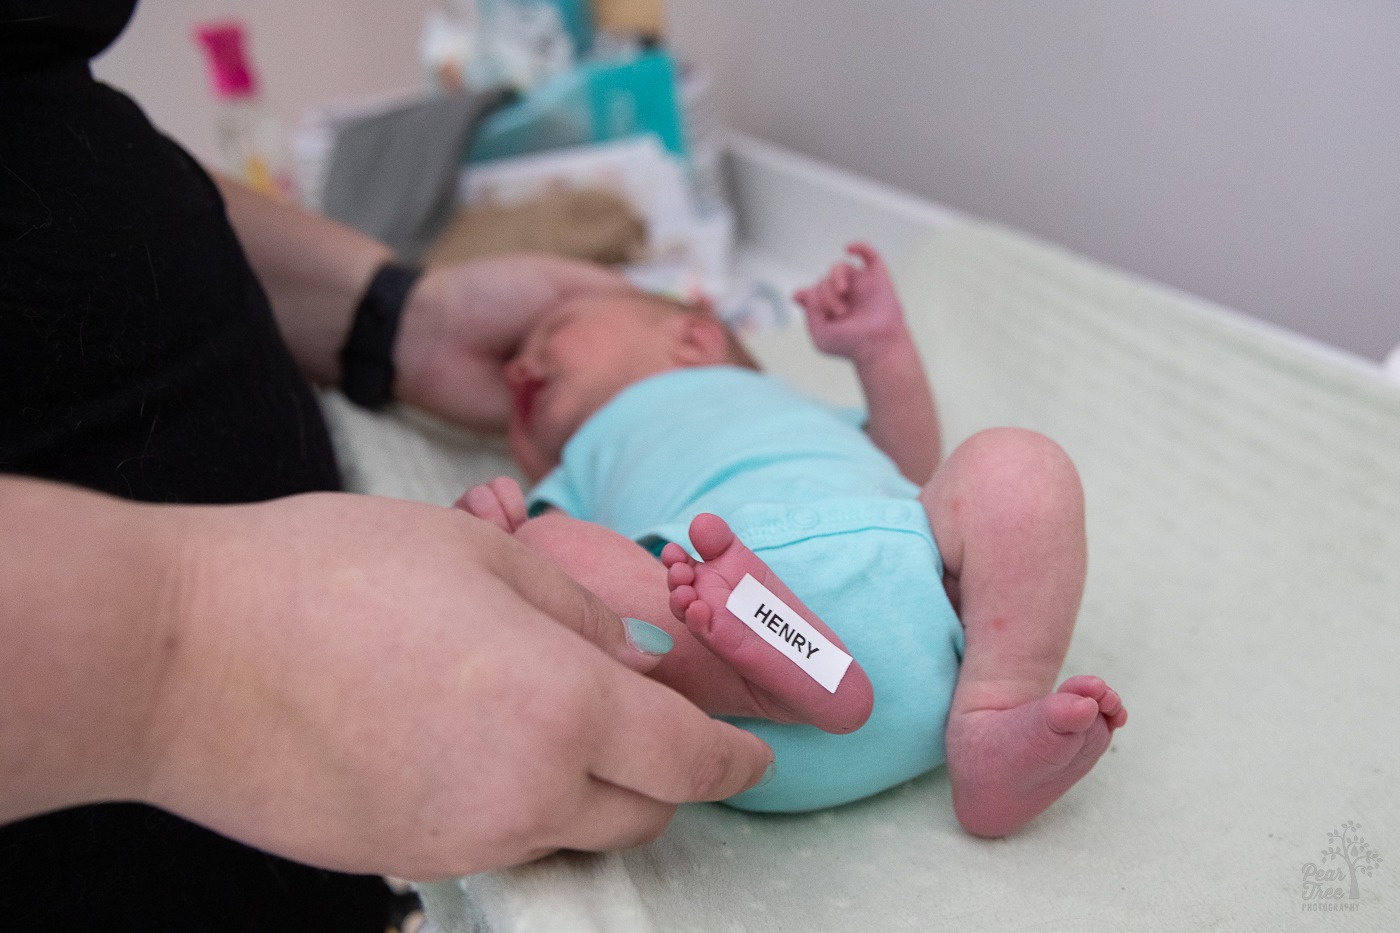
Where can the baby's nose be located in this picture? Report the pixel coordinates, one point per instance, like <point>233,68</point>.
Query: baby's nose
<point>517,372</point>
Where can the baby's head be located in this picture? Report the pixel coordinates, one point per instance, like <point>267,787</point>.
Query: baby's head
<point>590,347</point>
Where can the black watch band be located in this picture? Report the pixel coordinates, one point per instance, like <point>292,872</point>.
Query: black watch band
<point>367,359</point>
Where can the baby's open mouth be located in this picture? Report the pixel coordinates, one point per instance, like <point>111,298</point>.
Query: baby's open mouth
<point>525,393</point>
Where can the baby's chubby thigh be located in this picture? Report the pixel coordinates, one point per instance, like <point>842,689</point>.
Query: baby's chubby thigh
<point>881,591</point>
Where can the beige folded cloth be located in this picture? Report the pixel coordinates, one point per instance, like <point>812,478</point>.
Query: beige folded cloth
<point>579,223</point>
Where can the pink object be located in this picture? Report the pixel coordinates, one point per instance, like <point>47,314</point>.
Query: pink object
<point>229,72</point>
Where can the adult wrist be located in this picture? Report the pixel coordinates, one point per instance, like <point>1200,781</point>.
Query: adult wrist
<point>83,617</point>
<point>367,358</point>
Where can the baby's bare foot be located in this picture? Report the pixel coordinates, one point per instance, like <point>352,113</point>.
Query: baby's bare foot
<point>1008,765</point>
<point>499,502</point>
<point>699,594</point>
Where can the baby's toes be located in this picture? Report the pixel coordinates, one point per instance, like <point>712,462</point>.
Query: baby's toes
<point>1085,685</point>
<point>680,575</point>
<point>673,554</point>
<point>1110,703</point>
<point>1114,713</point>
<point>1067,713</point>
<point>698,616</point>
<point>680,601</point>
<point>691,610</point>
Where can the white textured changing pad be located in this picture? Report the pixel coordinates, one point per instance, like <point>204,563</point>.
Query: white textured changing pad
<point>1243,596</point>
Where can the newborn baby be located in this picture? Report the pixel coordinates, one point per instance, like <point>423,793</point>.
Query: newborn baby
<point>868,611</point>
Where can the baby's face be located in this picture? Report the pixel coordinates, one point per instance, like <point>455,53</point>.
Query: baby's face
<point>576,359</point>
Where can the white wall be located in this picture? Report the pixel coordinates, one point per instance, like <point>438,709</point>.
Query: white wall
<point>1244,150</point>
<point>306,52</point>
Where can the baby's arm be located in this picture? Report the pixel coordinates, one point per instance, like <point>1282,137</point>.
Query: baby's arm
<point>854,313</point>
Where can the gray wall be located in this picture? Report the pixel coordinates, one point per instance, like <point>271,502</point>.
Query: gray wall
<point>1244,150</point>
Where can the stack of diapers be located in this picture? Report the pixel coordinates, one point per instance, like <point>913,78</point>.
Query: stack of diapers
<point>1243,495</point>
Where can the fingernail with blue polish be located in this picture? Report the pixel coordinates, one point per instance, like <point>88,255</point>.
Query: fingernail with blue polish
<point>647,638</point>
<point>768,775</point>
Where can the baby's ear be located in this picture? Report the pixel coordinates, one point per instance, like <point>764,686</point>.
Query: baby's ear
<point>702,339</point>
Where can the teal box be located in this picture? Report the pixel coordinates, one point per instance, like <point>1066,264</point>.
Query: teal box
<point>595,102</point>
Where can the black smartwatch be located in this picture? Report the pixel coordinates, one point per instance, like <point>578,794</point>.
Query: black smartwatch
<point>367,359</point>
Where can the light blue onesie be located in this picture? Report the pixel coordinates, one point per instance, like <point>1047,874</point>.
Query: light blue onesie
<point>827,511</point>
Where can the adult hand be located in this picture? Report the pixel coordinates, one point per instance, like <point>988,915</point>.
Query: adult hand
<point>382,686</point>
<point>363,684</point>
<point>459,325</point>
<point>462,322</point>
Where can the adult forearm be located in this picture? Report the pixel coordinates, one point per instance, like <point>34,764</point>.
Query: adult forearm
<point>83,582</point>
<point>903,417</point>
<point>314,270</point>
<point>363,684</point>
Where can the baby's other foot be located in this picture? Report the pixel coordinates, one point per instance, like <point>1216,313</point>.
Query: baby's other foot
<point>699,592</point>
<point>499,502</point>
<point>1008,765</point>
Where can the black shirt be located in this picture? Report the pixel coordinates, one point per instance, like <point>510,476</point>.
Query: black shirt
<point>138,355</point>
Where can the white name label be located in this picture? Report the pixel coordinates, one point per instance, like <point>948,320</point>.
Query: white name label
<point>779,624</point>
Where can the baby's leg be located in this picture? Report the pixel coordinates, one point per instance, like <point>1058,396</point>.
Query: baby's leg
<point>1007,512</point>
<point>700,594</point>
<point>719,679</point>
